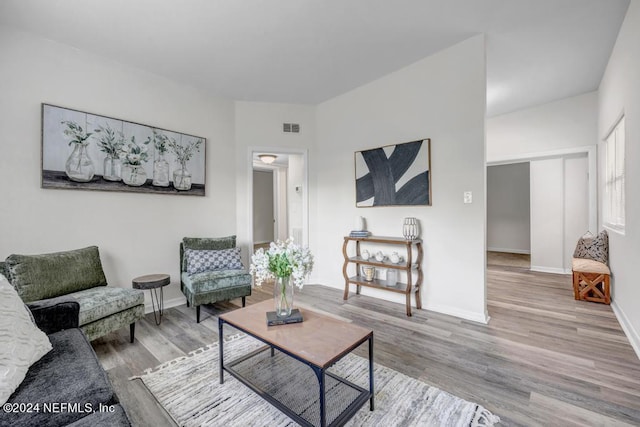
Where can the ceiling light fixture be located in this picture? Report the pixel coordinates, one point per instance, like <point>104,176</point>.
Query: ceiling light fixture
<point>267,158</point>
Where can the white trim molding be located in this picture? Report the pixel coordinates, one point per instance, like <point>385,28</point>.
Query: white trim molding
<point>632,334</point>
<point>173,302</point>
<point>510,251</point>
<point>552,270</point>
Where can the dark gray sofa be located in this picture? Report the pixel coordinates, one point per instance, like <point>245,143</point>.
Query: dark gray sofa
<point>68,385</point>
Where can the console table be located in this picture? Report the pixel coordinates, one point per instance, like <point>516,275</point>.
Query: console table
<point>412,267</point>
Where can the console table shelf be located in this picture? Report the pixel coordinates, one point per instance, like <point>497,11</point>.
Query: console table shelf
<point>412,267</point>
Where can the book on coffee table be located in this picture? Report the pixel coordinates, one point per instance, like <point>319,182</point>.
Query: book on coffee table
<point>273,319</point>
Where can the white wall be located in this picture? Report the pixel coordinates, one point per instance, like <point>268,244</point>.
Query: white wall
<point>620,93</point>
<point>547,215</point>
<point>262,206</point>
<point>559,214</point>
<point>137,233</point>
<point>558,130</point>
<point>258,126</point>
<point>508,216</point>
<point>576,205</point>
<point>564,124</point>
<point>441,97</point>
<point>295,190</point>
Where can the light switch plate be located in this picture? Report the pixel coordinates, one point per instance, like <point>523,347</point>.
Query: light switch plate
<point>468,197</point>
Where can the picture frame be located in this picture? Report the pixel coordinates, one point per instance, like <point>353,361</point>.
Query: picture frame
<point>87,151</point>
<point>394,175</point>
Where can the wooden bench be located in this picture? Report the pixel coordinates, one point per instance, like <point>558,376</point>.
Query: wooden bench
<point>591,281</point>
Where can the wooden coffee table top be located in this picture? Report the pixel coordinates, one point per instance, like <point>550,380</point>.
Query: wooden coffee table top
<point>319,339</point>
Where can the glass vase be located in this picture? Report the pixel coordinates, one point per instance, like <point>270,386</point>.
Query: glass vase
<point>112,168</point>
<point>182,178</point>
<point>160,172</point>
<point>79,166</point>
<point>133,175</point>
<point>283,296</point>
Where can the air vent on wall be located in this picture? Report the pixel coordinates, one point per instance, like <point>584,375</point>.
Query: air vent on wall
<point>291,127</point>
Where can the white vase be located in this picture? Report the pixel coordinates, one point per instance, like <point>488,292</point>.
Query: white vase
<point>359,224</point>
<point>410,229</point>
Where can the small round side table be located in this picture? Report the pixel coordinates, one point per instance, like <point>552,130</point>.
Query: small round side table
<point>153,282</point>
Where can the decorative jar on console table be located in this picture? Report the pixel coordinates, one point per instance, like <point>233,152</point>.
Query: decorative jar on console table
<point>411,265</point>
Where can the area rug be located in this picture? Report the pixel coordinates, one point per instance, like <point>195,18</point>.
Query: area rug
<point>190,391</point>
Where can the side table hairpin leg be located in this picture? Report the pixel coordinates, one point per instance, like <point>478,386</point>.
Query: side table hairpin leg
<point>159,301</point>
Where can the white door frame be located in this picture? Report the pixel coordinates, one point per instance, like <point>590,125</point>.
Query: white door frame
<point>305,193</point>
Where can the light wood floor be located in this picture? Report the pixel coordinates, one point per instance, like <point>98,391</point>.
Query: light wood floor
<point>544,359</point>
<point>507,259</point>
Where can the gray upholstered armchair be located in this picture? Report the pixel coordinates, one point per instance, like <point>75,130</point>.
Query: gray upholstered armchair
<point>211,270</point>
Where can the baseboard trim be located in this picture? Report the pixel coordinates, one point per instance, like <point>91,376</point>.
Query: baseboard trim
<point>627,327</point>
<point>510,251</point>
<point>463,314</point>
<point>173,302</point>
<point>552,270</point>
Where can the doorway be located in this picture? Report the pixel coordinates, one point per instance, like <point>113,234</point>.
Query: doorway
<point>561,207</point>
<point>281,177</point>
<point>508,215</point>
<point>263,208</point>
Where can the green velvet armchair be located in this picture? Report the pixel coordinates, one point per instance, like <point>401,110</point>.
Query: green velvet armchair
<point>77,274</point>
<point>211,271</point>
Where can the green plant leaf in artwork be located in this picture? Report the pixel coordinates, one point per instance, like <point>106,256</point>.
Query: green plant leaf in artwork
<point>76,133</point>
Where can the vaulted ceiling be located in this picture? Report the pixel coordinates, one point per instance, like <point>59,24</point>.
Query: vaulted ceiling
<point>308,51</point>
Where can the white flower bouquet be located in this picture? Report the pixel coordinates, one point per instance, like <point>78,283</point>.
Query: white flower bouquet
<point>282,259</point>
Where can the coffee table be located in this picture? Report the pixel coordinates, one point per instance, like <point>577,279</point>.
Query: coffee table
<point>311,397</point>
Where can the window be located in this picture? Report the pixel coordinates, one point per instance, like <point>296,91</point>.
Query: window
<point>614,178</point>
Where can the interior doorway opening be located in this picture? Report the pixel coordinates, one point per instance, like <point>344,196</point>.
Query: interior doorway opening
<point>279,196</point>
<point>509,215</point>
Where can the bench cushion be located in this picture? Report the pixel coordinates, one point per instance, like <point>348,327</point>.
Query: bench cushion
<point>216,280</point>
<point>98,303</point>
<point>37,277</point>
<point>589,266</point>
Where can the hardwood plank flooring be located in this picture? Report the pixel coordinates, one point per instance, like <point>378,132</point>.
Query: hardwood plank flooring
<point>543,361</point>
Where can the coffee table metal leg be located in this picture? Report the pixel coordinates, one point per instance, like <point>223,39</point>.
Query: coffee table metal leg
<point>371,372</point>
<point>221,349</point>
<point>321,380</point>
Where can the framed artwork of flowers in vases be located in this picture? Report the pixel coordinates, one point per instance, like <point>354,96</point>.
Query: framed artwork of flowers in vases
<point>86,151</point>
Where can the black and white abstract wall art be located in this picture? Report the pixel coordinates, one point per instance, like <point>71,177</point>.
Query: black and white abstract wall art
<point>394,175</point>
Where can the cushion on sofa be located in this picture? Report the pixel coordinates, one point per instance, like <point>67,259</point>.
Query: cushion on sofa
<point>21,342</point>
<point>98,303</point>
<point>201,260</point>
<point>214,280</point>
<point>69,373</point>
<point>206,243</point>
<point>37,277</point>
